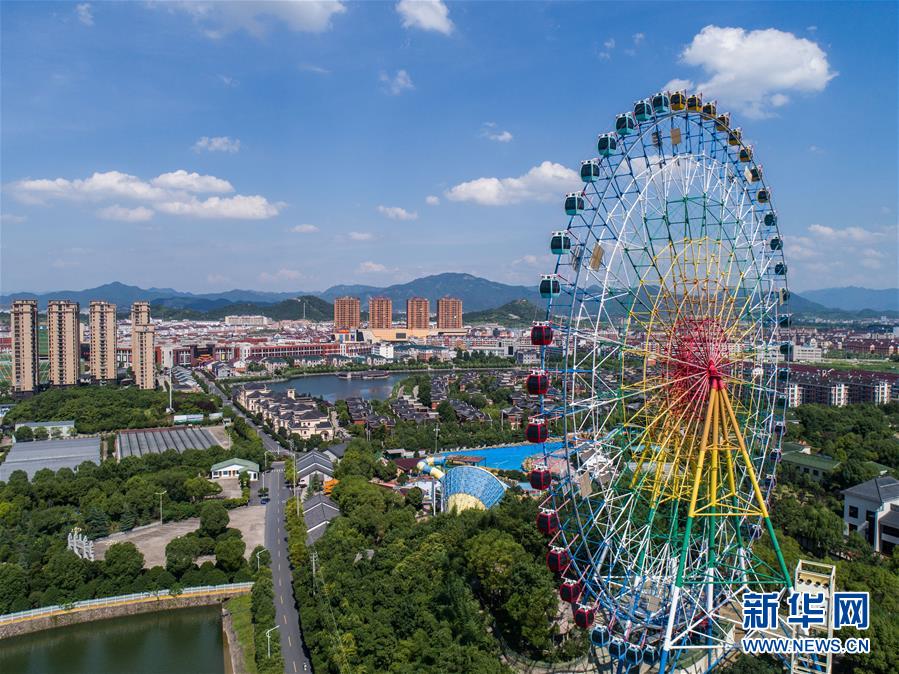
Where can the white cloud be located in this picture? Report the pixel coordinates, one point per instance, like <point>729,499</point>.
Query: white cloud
<point>755,70</point>
<point>217,144</point>
<point>431,200</point>
<point>849,253</point>
<point>173,193</point>
<point>216,279</point>
<point>238,207</point>
<point>609,44</point>
<point>116,212</point>
<point>229,81</point>
<point>397,213</point>
<point>218,19</point>
<point>9,217</point>
<point>304,229</point>
<point>398,83</point>
<point>361,236</point>
<point>280,276</point>
<point>542,183</point>
<point>527,260</point>
<point>84,13</point>
<point>425,14</point>
<point>491,132</point>
<point>638,39</point>
<point>191,182</point>
<point>678,85</point>
<point>370,267</point>
<point>309,68</point>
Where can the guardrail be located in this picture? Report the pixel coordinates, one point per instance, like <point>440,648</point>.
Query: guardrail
<point>136,598</point>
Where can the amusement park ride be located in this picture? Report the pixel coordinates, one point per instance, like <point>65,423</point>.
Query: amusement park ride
<point>661,332</point>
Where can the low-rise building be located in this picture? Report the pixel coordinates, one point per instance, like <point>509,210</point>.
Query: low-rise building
<point>234,467</point>
<point>872,509</point>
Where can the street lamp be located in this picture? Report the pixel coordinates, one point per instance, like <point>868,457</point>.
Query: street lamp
<point>436,433</point>
<point>268,639</point>
<point>257,557</point>
<point>160,494</point>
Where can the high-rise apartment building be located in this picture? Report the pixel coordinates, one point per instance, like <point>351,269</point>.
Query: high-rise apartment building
<point>418,315</point>
<point>23,323</point>
<point>449,313</point>
<point>143,353</point>
<point>64,342</point>
<point>140,313</point>
<point>103,341</point>
<point>380,313</point>
<point>346,313</point>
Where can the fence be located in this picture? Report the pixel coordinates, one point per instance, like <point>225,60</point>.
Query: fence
<point>136,598</point>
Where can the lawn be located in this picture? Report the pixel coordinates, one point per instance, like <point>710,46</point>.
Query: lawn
<point>242,621</point>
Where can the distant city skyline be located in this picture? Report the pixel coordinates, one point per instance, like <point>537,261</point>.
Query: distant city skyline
<point>296,146</point>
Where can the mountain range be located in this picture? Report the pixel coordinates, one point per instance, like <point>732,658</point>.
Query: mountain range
<point>477,295</point>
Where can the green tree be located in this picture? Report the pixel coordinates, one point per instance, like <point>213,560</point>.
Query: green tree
<point>214,518</point>
<point>199,487</point>
<point>96,523</point>
<point>24,434</point>
<point>415,498</point>
<point>180,554</point>
<point>123,563</point>
<point>229,554</point>
<point>13,588</point>
<point>41,433</point>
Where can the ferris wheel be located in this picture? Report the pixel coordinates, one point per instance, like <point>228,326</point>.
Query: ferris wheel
<point>661,332</point>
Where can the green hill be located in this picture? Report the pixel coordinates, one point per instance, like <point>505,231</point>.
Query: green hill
<point>315,309</point>
<point>514,314</point>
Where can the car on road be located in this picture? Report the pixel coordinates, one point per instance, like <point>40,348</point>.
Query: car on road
<point>264,500</point>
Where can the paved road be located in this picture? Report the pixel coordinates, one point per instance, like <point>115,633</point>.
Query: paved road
<point>287,618</point>
<point>296,658</point>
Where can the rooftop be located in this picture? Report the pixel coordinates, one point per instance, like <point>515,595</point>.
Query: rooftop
<point>879,490</point>
<point>249,465</point>
<point>52,454</point>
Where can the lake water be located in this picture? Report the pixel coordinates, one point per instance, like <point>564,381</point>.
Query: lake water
<point>181,641</point>
<point>332,388</point>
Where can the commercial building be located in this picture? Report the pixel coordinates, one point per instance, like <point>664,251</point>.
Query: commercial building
<point>143,353</point>
<point>64,342</point>
<point>346,313</point>
<point>103,341</point>
<point>234,467</point>
<point>380,313</point>
<point>449,313</point>
<point>25,373</point>
<point>418,314</point>
<point>249,321</point>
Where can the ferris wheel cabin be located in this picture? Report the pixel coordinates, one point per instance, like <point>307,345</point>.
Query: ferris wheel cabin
<point>722,122</point>
<point>557,559</point>
<point>694,103</point>
<point>606,144</point>
<point>536,431</point>
<point>678,100</point>
<point>540,478</point>
<point>550,286</point>
<point>584,616</point>
<point>537,383</point>
<point>710,109</point>
<point>541,334</point>
<point>661,104</point>
<point>764,195</point>
<point>746,154</point>
<point>547,522</point>
<point>570,591</point>
<point>642,111</point>
<point>560,243</point>
<point>776,243</point>
<point>735,137</point>
<point>574,203</point>
<point>590,171</point>
<point>770,219</point>
<point>625,124</point>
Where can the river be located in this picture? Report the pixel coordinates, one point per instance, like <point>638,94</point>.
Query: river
<point>333,388</point>
<point>181,641</point>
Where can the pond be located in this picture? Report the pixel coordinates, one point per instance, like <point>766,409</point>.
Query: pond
<point>181,641</point>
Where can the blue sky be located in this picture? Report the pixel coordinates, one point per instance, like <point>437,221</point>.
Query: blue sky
<point>293,146</point>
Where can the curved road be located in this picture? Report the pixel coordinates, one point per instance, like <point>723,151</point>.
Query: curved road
<point>287,618</point>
